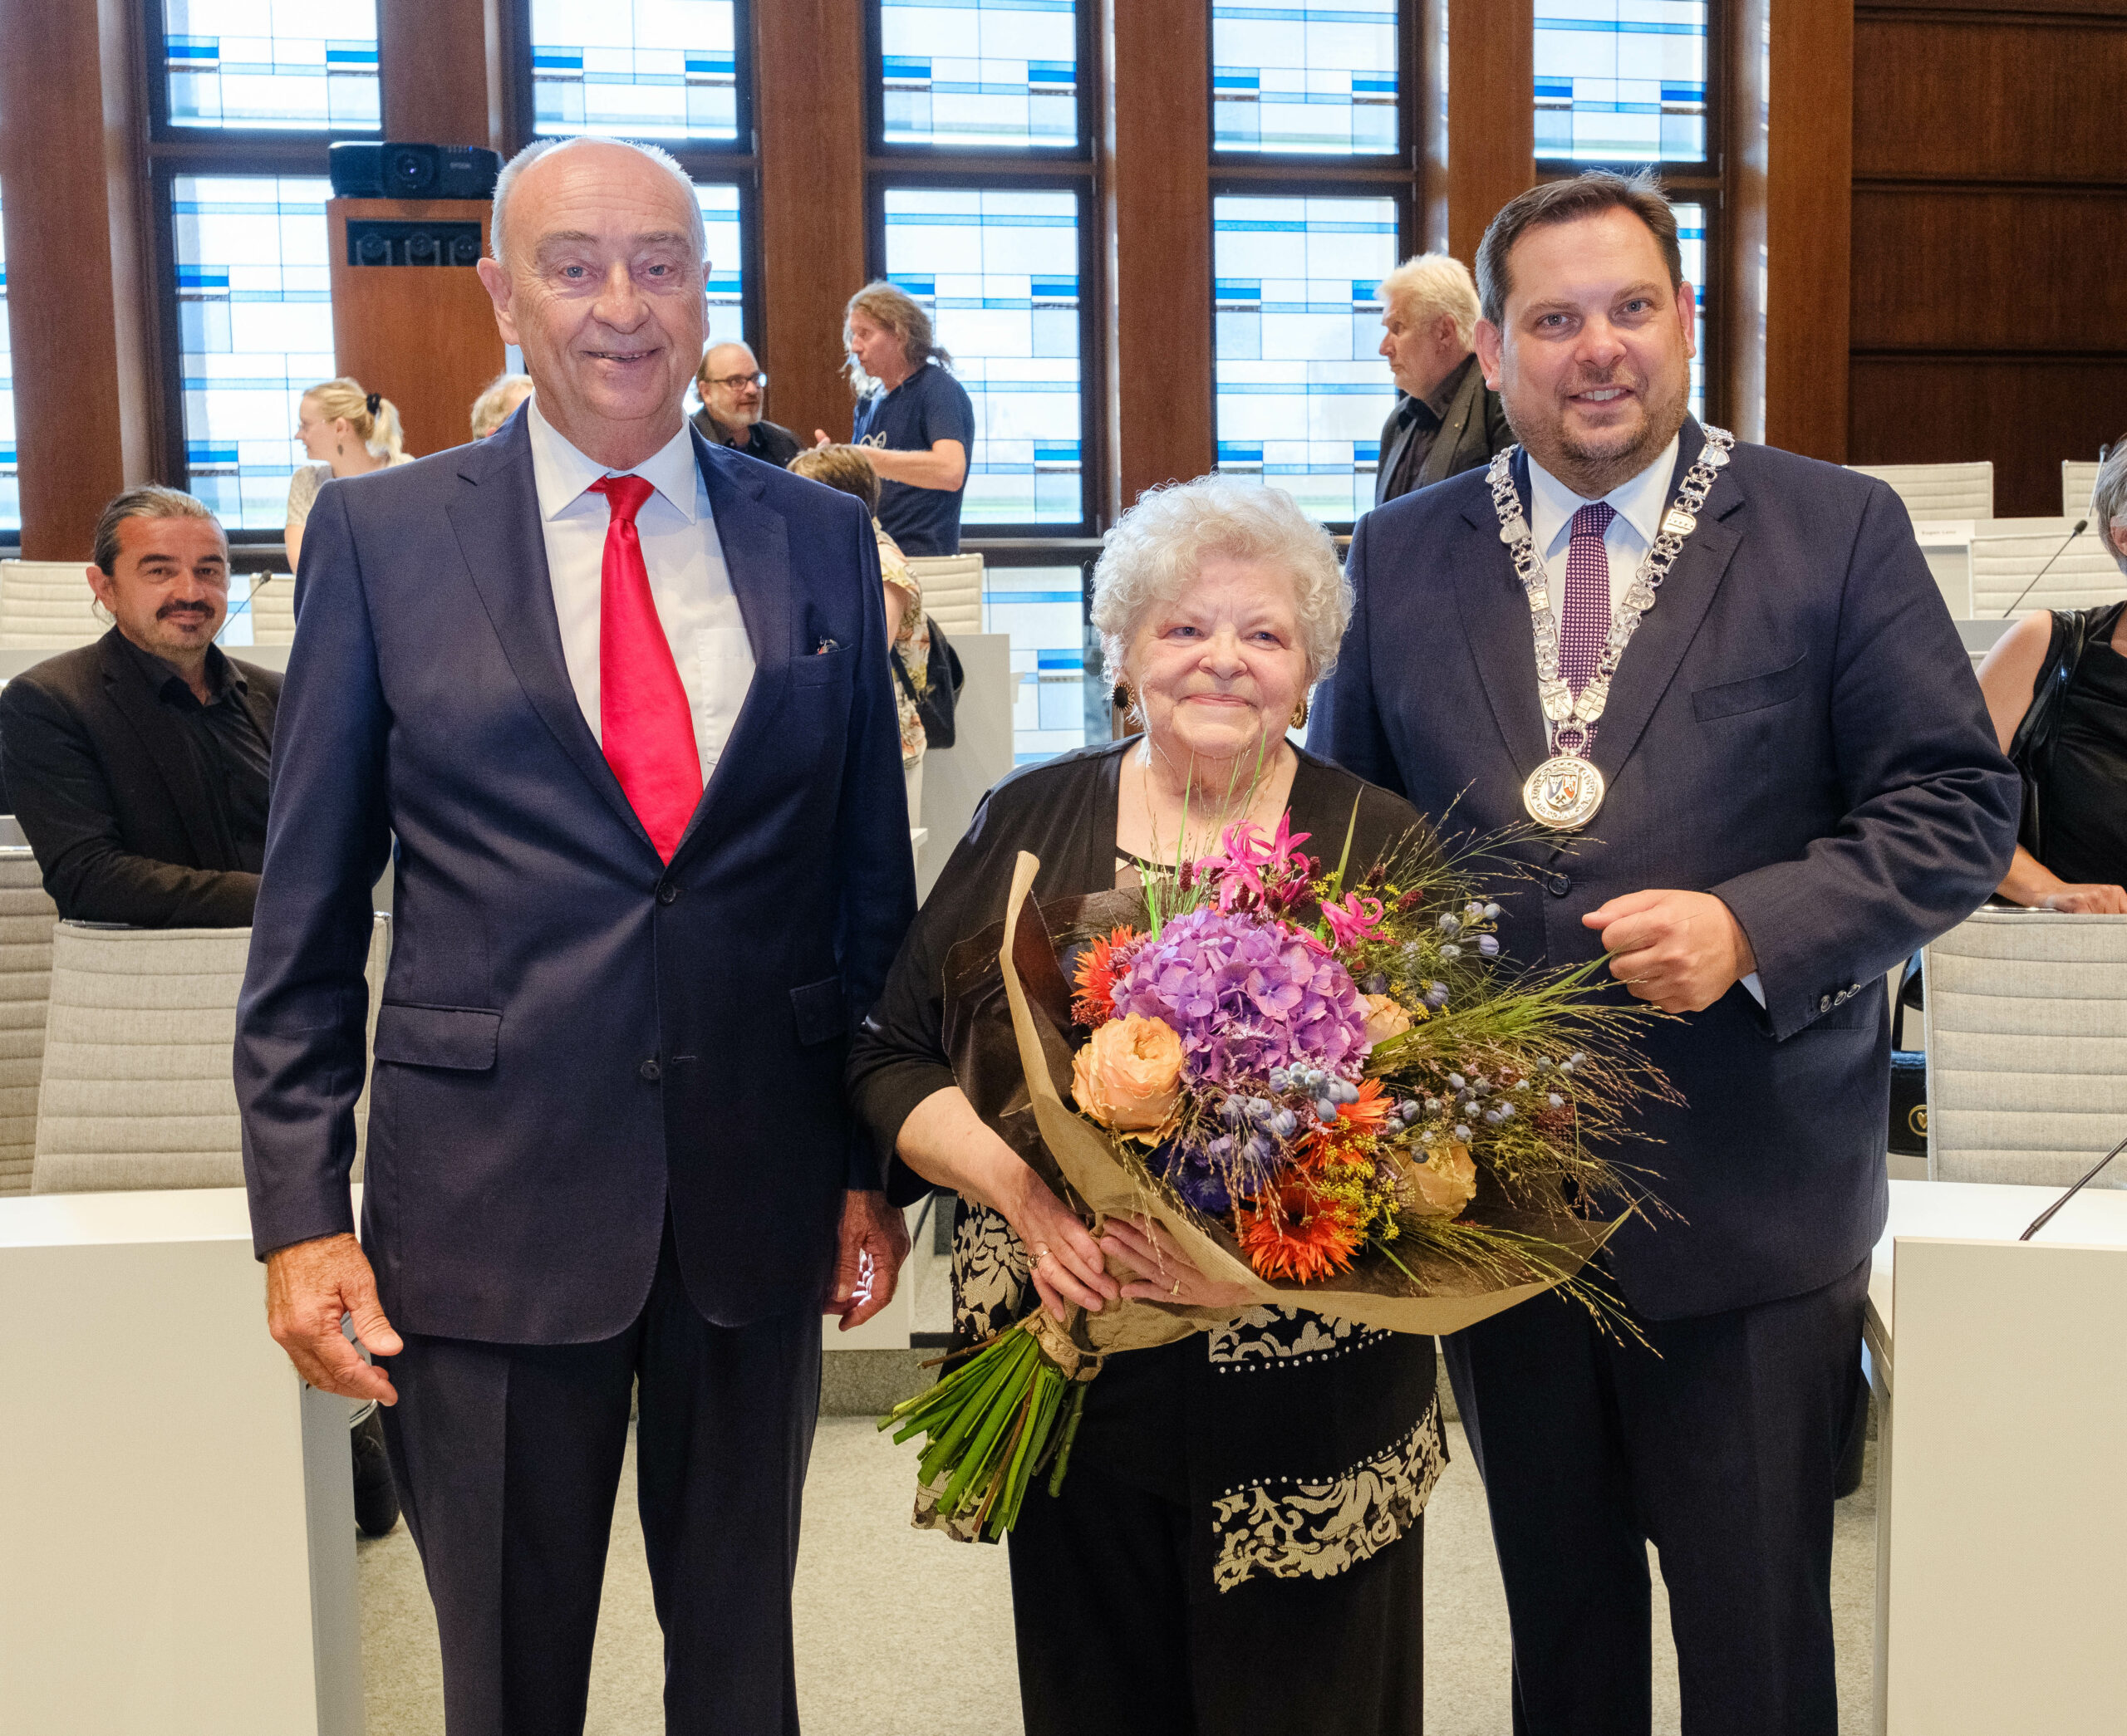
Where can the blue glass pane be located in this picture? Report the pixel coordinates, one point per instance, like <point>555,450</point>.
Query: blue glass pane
<point>998,272</point>
<point>720,219</point>
<point>272,63</point>
<point>644,69</point>
<point>1043,609</point>
<point>1315,76</point>
<point>11,496</point>
<point>1691,242</point>
<point>1302,390</point>
<point>254,310</point>
<point>988,72</point>
<point>1621,81</point>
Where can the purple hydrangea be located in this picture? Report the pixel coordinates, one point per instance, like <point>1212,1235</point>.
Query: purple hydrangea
<point>1245,995</point>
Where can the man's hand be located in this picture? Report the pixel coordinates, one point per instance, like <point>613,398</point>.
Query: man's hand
<point>874,1242</point>
<point>2087,900</point>
<point>1681,950</point>
<point>309,1285</point>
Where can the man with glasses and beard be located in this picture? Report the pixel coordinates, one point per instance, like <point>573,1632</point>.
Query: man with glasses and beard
<point>732,389</point>
<point>1715,687</point>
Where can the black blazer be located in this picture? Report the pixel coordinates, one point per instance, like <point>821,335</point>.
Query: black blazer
<point>109,798</point>
<point>1473,430</point>
<point>1795,730</point>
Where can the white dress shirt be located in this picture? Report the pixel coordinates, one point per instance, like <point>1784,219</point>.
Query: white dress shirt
<point>688,581</point>
<point>1639,504</point>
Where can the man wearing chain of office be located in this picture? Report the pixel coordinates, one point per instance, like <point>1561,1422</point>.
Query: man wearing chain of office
<point>1715,685</point>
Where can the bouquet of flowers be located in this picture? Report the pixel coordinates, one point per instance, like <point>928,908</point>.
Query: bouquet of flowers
<point>1321,1084</point>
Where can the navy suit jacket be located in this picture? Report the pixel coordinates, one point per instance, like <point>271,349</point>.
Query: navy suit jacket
<point>574,1036</point>
<point>1794,728</point>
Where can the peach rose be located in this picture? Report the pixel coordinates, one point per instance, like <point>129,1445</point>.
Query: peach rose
<point>1440,1187</point>
<point>1384,1019</point>
<point>1128,1076</point>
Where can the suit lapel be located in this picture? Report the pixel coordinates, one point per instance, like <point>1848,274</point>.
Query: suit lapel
<point>1495,626</point>
<point>756,544</point>
<point>1392,455</point>
<point>1442,461</point>
<point>497,524</point>
<point>1666,632</point>
<point>173,759</point>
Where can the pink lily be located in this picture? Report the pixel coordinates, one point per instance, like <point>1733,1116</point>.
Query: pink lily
<point>1358,918</point>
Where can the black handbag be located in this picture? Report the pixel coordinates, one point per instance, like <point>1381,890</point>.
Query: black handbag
<point>942,679</point>
<point>1909,1128</point>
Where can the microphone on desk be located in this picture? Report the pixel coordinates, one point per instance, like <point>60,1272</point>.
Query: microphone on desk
<point>2040,1222</point>
<point>2081,525</point>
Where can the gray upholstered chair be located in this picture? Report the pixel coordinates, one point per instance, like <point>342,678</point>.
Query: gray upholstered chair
<point>137,1091</point>
<point>1939,491</point>
<point>46,606</point>
<point>2027,1047</point>
<point>952,590</point>
<point>26,916</point>
<point>2045,570</point>
<point>2078,483</point>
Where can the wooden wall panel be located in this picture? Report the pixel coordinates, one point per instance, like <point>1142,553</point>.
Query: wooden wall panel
<point>810,126</point>
<point>1155,156</point>
<point>442,80</point>
<point>1480,136</point>
<point>1989,317</point>
<point>78,318</point>
<point>1944,410</point>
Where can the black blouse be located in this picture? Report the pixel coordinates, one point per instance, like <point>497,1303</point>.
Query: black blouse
<point>1302,1446</point>
<point>2084,799</point>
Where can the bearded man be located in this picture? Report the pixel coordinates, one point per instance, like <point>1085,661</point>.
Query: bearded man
<point>1720,681</point>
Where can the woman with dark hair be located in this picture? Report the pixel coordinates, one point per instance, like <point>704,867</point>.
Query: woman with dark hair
<point>915,423</point>
<point>2057,689</point>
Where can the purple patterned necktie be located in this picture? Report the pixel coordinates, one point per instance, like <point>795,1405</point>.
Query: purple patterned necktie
<point>1584,618</point>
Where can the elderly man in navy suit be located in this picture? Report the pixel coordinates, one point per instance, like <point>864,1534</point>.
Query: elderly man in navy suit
<point>622,698</point>
<point>1720,679</point>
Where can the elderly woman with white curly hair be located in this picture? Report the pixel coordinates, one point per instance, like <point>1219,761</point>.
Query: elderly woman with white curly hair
<point>1238,1545</point>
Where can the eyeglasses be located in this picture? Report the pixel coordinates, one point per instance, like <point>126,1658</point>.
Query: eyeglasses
<point>739,382</point>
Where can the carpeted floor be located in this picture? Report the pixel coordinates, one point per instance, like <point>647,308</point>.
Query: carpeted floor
<point>901,1633</point>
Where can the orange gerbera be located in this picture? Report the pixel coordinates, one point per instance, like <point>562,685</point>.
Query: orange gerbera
<point>1099,967</point>
<point>1354,1120</point>
<point>1293,1232</point>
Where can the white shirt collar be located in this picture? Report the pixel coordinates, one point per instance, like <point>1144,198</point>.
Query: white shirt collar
<point>562,475</point>
<point>1640,502</point>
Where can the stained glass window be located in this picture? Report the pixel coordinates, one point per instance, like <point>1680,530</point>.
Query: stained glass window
<point>286,64</point>
<point>645,69</point>
<point>1691,242</point>
<point>1043,608</point>
<point>987,72</point>
<point>1302,390</point>
<point>1621,81</point>
<point>11,493</point>
<point>254,308</point>
<point>997,270</point>
<point>720,216</point>
<point>1314,76</point>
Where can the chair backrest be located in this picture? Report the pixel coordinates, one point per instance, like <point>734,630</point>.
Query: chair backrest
<point>46,606</point>
<point>137,1087</point>
<point>1939,491</point>
<point>2078,483</point>
<point>2083,573</point>
<point>2026,1024</point>
<point>26,916</point>
<point>952,589</point>
<point>272,605</point>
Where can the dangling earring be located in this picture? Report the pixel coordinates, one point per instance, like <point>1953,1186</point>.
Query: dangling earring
<point>339,449</point>
<point>1122,699</point>
<point>1300,717</point>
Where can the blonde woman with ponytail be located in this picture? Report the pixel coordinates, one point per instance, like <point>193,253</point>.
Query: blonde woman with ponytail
<point>348,431</point>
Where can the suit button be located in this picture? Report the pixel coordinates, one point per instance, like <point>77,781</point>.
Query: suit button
<point>650,1073</point>
<point>1558,885</point>
<point>667,893</point>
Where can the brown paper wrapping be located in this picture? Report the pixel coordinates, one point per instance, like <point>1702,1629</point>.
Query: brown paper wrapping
<point>1446,1297</point>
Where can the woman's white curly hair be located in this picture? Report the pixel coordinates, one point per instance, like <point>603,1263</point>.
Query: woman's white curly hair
<point>1155,551</point>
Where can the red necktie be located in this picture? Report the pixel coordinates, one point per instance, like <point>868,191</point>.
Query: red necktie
<point>646,724</point>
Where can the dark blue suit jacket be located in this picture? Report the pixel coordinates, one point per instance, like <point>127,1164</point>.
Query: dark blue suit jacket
<point>1794,728</point>
<point>572,1034</point>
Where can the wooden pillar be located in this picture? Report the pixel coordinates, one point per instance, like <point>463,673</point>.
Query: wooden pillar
<point>1790,222</point>
<point>444,78</point>
<point>810,131</point>
<point>87,420</point>
<point>1155,148</point>
<point>1480,116</point>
